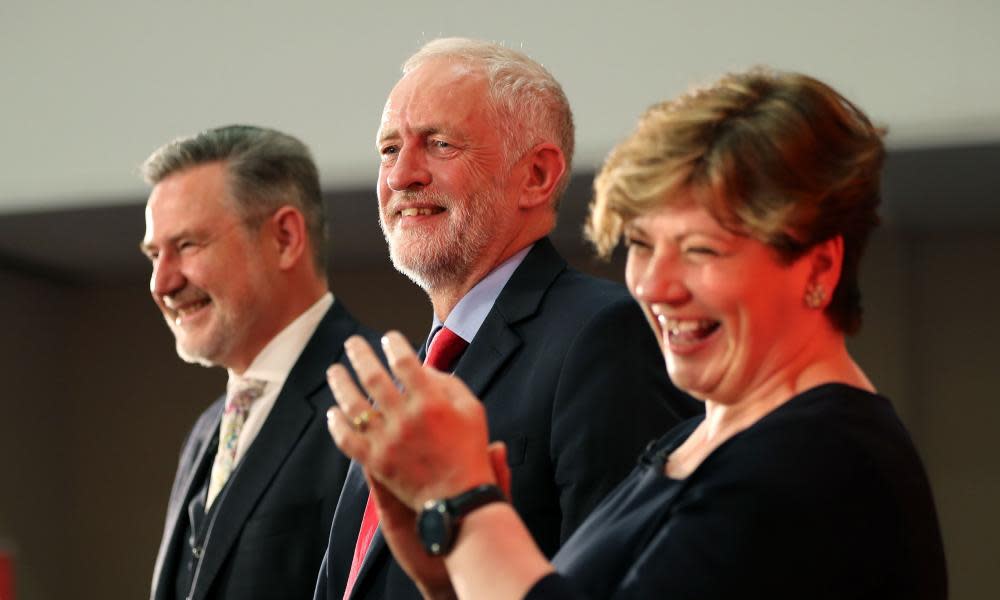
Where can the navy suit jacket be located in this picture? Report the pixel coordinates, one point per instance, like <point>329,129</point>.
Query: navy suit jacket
<point>572,380</point>
<point>267,535</point>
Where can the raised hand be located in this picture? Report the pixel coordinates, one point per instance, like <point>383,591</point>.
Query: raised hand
<point>428,437</point>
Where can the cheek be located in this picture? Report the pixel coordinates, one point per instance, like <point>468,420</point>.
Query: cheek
<point>632,271</point>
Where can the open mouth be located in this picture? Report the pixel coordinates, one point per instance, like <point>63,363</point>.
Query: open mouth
<point>687,332</point>
<point>187,311</point>
<point>422,211</point>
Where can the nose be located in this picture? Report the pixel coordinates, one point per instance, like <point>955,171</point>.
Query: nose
<point>409,170</point>
<point>167,277</point>
<point>661,281</point>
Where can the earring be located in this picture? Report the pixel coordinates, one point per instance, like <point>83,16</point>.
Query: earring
<point>815,295</point>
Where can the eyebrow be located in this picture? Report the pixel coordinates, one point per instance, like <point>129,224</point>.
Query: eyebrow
<point>146,247</point>
<point>420,131</point>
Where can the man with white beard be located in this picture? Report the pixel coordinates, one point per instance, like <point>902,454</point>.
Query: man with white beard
<point>475,143</point>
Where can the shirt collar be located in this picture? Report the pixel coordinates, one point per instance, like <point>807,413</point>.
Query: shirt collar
<point>470,312</point>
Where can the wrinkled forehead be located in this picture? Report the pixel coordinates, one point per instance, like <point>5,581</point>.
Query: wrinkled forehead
<point>438,88</point>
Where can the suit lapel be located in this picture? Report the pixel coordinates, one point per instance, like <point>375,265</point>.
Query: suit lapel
<point>293,412</point>
<point>521,298</point>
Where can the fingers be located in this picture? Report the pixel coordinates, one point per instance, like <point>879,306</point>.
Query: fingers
<point>403,361</point>
<point>373,377</point>
<point>350,441</point>
<point>344,421</point>
<point>349,397</point>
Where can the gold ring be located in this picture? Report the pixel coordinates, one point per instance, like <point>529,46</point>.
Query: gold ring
<point>360,422</point>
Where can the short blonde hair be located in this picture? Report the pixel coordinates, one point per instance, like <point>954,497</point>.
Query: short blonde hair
<point>780,157</point>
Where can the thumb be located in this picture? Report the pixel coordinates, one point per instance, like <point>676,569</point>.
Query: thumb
<point>498,461</point>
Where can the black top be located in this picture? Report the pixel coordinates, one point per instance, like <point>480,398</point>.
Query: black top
<point>825,497</point>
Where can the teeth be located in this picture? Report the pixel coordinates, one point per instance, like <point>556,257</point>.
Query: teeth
<point>190,308</point>
<point>675,326</point>
<point>413,212</point>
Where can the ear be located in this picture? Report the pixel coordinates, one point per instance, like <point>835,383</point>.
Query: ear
<point>288,226</point>
<point>825,260</point>
<point>543,167</point>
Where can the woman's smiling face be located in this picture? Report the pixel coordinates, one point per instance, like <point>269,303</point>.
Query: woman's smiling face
<point>728,314</point>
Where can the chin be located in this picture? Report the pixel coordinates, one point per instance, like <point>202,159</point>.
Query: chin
<point>428,269</point>
<point>193,358</point>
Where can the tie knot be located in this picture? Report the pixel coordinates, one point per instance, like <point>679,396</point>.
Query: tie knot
<point>242,392</point>
<point>445,349</point>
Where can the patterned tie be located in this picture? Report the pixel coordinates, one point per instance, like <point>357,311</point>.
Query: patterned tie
<point>443,353</point>
<point>241,393</point>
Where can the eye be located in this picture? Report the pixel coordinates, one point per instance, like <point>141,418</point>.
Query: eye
<point>186,246</point>
<point>701,252</point>
<point>388,153</point>
<point>638,243</point>
<point>440,147</point>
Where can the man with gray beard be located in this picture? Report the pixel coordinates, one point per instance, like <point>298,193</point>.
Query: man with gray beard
<point>475,145</point>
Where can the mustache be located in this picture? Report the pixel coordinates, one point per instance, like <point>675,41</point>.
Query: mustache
<point>186,295</point>
<point>407,197</point>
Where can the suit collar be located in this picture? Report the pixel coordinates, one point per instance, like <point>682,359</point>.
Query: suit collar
<point>521,298</point>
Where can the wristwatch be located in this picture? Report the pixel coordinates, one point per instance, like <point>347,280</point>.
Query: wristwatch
<point>437,524</point>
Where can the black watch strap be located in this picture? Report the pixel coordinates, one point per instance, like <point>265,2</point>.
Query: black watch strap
<point>470,500</point>
<point>438,522</point>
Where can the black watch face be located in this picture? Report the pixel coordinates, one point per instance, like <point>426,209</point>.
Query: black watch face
<point>434,528</point>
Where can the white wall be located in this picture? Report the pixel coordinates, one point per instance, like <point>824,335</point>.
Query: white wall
<point>88,89</point>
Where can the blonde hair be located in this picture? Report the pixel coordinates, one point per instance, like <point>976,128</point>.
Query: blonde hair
<point>780,157</point>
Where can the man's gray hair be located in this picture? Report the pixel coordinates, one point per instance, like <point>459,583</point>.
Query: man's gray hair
<point>529,103</point>
<point>267,170</point>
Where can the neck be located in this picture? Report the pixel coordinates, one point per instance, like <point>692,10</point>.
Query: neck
<point>288,307</point>
<point>444,296</point>
<point>823,361</point>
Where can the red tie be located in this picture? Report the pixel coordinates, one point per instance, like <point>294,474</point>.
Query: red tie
<point>444,351</point>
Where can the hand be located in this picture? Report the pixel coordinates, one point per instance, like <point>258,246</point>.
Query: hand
<point>398,523</point>
<point>429,437</point>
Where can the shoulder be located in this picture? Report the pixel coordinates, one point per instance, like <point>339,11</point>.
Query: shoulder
<point>833,456</point>
<point>592,291</point>
<point>834,427</point>
<point>831,478</point>
<point>588,301</point>
<point>340,323</point>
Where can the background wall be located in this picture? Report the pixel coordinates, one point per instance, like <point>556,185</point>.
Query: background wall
<point>96,403</point>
